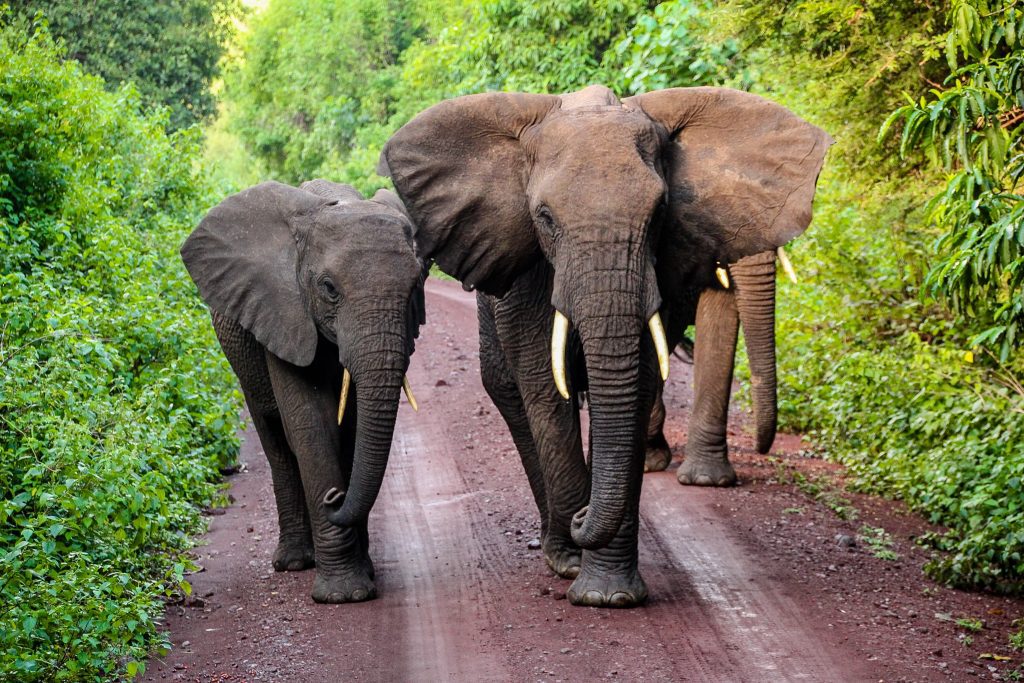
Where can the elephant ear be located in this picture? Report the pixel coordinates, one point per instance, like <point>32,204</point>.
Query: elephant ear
<point>243,256</point>
<point>461,170</point>
<point>741,169</point>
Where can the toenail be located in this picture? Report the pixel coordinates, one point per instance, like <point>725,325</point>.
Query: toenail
<point>620,599</point>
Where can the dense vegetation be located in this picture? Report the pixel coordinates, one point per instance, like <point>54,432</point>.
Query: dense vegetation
<point>899,349</point>
<point>170,50</point>
<point>116,409</point>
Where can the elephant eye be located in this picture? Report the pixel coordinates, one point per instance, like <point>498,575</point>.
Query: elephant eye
<point>328,288</point>
<point>544,219</point>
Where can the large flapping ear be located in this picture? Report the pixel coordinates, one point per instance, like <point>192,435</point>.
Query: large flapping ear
<point>461,170</point>
<point>742,169</point>
<point>243,258</point>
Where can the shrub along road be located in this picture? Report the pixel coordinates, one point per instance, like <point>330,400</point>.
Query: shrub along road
<point>782,578</point>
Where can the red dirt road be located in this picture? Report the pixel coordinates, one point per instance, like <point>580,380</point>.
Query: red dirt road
<point>746,584</point>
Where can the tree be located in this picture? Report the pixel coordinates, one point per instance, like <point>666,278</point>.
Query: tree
<point>298,98</point>
<point>971,126</point>
<point>169,50</point>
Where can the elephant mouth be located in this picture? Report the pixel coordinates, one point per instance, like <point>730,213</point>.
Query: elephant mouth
<point>560,335</point>
<point>346,384</point>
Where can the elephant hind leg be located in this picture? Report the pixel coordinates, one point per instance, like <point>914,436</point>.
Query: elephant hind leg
<point>248,360</point>
<point>560,553</point>
<point>706,461</point>
<point>294,550</point>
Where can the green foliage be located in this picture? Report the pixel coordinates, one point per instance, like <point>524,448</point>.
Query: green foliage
<point>882,377</point>
<point>879,542</point>
<point>550,46</point>
<point>168,49</point>
<point>970,624</point>
<point>668,48</point>
<point>115,407</point>
<point>307,107</point>
<point>300,100</point>
<point>973,128</point>
<point>1017,640</point>
<point>845,65</point>
<point>910,419</point>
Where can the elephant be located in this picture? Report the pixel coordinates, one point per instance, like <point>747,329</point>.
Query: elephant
<point>316,296</point>
<point>577,218</point>
<point>740,293</point>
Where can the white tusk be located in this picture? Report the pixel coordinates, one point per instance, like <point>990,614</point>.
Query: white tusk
<point>559,334</point>
<point>660,343</point>
<point>787,265</point>
<point>346,380</point>
<point>723,276</point>
<point>408,393</point>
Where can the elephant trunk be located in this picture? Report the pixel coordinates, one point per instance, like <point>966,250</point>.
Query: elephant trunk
<point>377,371</point>
<point>612,325</point>
<point>754,278</point>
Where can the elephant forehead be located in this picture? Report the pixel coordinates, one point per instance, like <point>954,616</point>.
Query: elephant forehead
<point>598,134</point>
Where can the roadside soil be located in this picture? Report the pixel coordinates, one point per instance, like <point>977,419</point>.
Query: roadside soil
<point>761,582</point>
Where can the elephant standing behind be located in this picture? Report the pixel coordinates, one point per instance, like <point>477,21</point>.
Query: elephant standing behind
<point>738,294</point>
<point>316,296</point>
<point>579,218</point>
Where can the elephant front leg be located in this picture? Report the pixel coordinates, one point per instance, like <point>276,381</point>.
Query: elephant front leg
<point>610,576</point>
<point>658,455</point>
<point>344,572</point>
<point>706,462</point>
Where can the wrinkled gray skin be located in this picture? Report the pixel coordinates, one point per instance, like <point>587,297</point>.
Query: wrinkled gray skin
<point>718,313</point>
<point>546,203</point>
<point>302,283</point>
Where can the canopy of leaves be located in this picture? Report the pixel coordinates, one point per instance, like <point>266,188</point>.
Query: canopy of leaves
<point>116,407</point>
<point>169,49</point>
<point>972,128</point>
<point>308,107</point>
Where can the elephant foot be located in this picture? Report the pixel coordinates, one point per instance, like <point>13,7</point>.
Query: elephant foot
<point>705,472</point>
<point>354,586</point>
<point>658,454</point>
<point>563,557</point>
<point>599,587</point>
<point>293,556</point>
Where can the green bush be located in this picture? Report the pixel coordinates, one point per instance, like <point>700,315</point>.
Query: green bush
<point>116,408</point>
<point>169,50</point>
<point>883,376</point>
<point>887,384</point>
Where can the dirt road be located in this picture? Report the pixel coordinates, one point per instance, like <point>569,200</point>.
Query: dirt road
<point>762,582</point>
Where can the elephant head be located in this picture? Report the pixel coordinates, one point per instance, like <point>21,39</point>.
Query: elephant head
<point>611,193</point>
<point>303,267</point>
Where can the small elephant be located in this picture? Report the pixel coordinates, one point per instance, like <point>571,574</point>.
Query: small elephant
<point>579,217</point>
<point>316,296</point>
<point>740,293</point>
